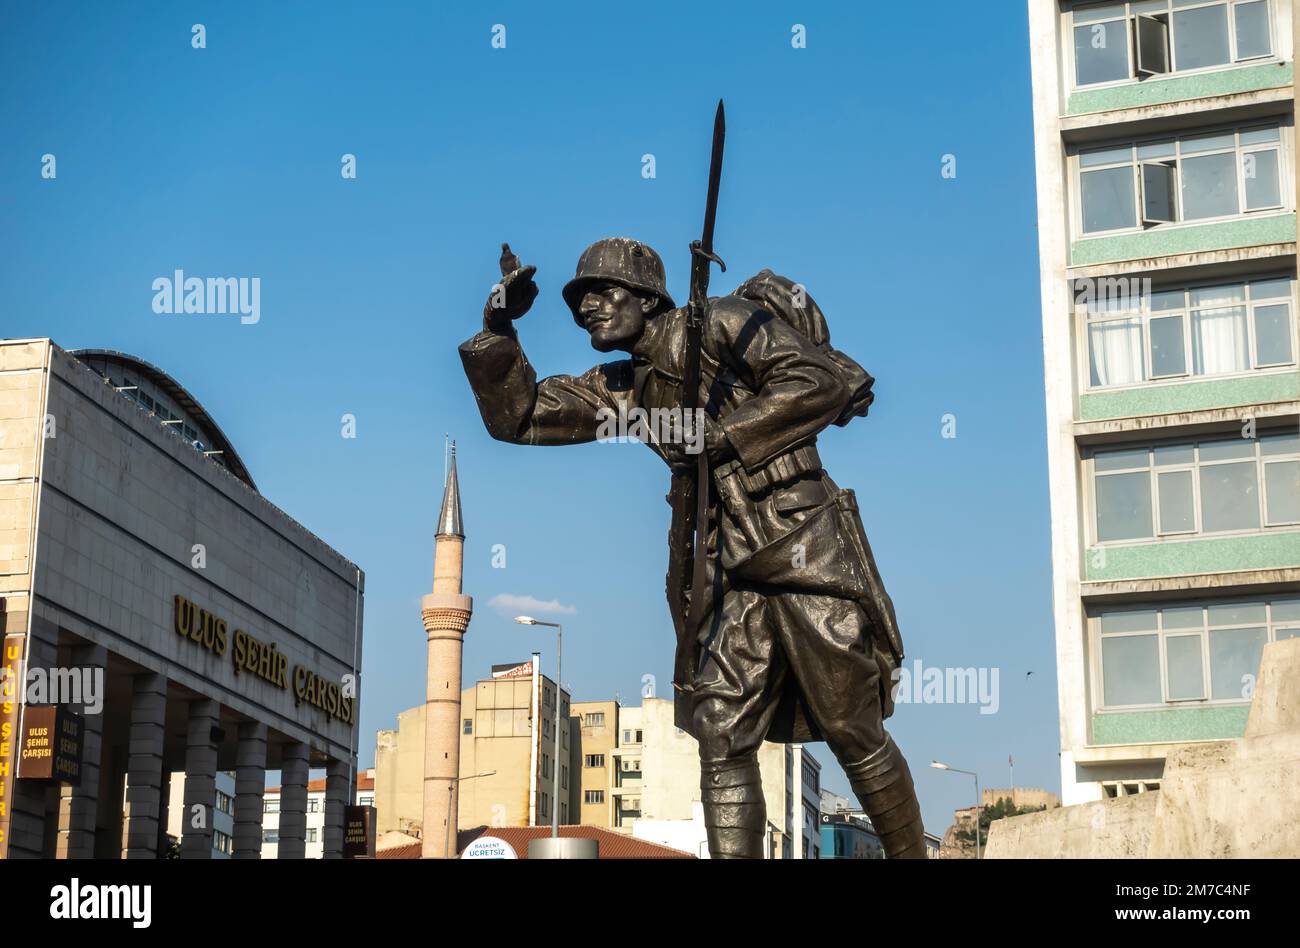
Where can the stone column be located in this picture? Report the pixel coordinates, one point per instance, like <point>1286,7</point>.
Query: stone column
<point>144,767</point>
<point>294,768</point>
<point>79,804</point>
<point>200,780</point>
<point>340,792</point>
<point>250,787</point>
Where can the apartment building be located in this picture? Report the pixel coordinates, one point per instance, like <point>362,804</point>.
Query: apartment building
<point>596,726</point>
<point>805,803</point>
<point>1166,183</point>
<point>507,765</point>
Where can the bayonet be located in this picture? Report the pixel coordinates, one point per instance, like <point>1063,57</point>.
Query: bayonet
<point>696,500</point>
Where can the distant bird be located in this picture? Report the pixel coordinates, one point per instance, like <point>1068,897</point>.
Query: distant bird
<point>1027,674</point>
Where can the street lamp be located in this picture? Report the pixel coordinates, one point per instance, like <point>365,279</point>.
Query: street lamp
<point>451,789</point>
<point>970,773</point>
<point>555,787</point>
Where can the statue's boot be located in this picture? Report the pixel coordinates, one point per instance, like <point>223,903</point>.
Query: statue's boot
<point>735,816</point>
<point>883,786</point>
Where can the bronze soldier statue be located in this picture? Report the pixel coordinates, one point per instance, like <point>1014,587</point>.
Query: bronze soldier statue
<point>795,638</point>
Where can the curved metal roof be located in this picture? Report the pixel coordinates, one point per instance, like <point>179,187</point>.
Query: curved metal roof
<point>213,434</point>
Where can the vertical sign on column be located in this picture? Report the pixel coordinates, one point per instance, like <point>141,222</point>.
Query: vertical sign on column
<point>11,676</point>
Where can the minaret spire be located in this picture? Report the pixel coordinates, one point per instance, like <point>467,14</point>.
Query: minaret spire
<point>449,524</point>
<point>446,613</point>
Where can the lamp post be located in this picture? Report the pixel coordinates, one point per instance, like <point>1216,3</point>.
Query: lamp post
<point>970,773</point>
<point>555,772</point>
<point>451,789</point>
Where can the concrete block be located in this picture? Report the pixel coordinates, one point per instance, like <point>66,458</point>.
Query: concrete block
<point>1106,829</point>
<point>1276,705</point>
<point>1230,799</point>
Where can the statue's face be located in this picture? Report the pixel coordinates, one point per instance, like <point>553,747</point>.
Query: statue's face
<point>613,315</point>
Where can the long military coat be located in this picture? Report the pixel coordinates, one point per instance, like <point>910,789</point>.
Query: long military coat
<point>772,390</point>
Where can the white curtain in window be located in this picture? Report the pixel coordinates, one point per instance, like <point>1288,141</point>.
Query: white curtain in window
<point>1221,341</point>
<point>1116,347</point>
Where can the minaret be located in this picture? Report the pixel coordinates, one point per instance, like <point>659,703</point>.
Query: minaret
<point>446,615</point>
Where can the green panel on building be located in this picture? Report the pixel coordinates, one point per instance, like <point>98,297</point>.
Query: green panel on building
<point>1276,550</point>
<point>1258,389</point>
<point>1198,238</point>
<point>1181,88</point>
<point>1217,723</point>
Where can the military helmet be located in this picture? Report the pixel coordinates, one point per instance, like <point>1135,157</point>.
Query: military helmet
<point>619,260</point>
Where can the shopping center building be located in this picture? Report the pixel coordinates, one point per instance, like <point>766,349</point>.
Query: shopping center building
<point>216,632</point>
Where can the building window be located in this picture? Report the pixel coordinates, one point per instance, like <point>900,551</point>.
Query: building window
<point>1194,177</point>
<point>543,807</point>
<point>313,804</point>
<point>564,777</point>
<point>271,836</point>
<point>546,727</point>
<point>367,800</point>
<point>271,804</point>
<point>594,719</point>
<point>224,803</point>
<point>564,813</point>
<point>593,796</point>
<point>1229,485</point>
<point>221,842</point>
<point>1188,332</point>
<point>1204,652</point>
<point>546,766</point>
<point>1116,42</point>
<point>593,760</point>
<point>467,726</point>
<point>311,834</point>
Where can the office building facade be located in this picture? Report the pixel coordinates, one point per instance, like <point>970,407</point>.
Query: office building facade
<point>1164,135</point>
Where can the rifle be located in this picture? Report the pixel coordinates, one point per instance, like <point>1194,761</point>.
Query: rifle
<point>695,497</point>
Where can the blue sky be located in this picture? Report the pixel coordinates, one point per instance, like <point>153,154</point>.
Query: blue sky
<point>225,161</point>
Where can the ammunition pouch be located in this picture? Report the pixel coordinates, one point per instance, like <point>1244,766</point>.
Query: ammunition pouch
<point>781,469</point>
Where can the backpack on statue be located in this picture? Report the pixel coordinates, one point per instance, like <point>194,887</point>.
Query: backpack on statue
<point>791,303</point>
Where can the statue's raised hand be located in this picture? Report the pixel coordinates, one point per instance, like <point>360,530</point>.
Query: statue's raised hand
<point>513,296</point>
